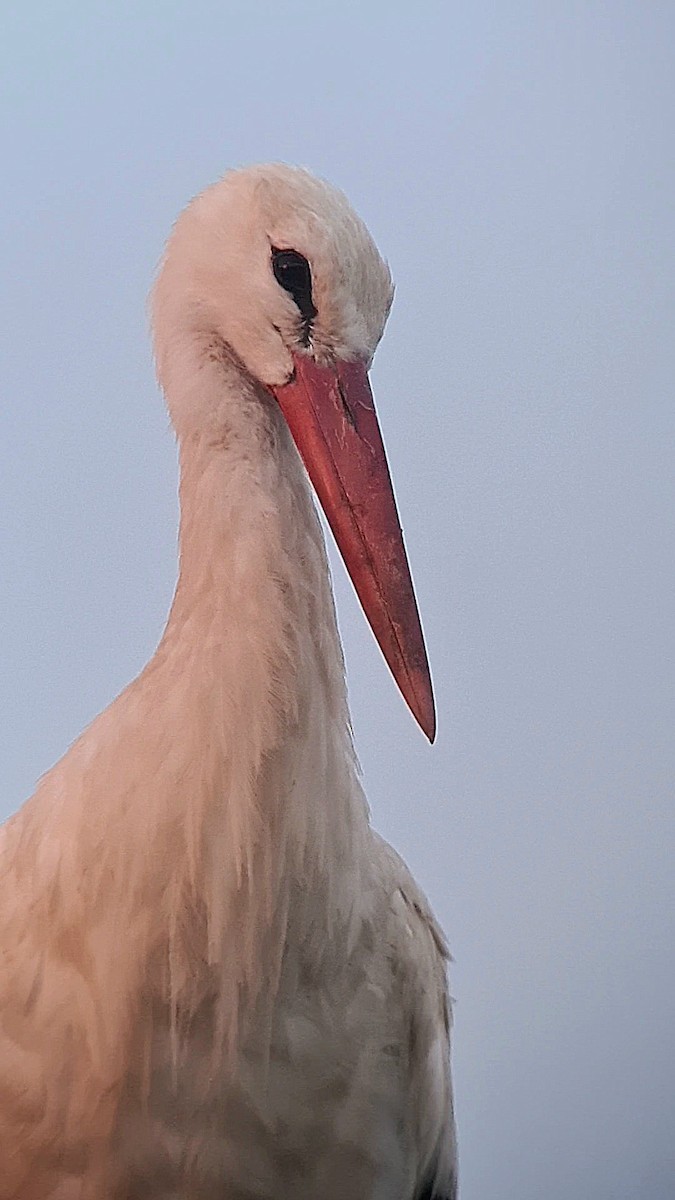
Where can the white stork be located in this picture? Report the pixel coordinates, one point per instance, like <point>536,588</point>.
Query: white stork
<point>218,983</point>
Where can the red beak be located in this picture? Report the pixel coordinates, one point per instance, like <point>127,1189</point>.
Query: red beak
<point>331,415</point>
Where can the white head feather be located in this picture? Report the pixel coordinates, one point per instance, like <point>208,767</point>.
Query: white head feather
<point>217,279</point>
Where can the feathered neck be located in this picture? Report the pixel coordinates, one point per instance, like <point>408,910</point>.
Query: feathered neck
<point>213,814</point>
<point>252,668</point>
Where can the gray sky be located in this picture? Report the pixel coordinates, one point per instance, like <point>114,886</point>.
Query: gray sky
<point>515,163</point>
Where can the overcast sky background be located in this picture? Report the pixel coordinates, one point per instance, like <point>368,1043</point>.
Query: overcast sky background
<point>515,162</point>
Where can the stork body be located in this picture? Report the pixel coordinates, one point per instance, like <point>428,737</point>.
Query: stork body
<point>217,982</point>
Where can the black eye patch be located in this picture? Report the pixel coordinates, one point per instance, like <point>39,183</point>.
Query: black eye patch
<point>292,271</point>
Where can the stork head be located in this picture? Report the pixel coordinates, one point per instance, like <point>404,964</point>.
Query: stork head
<point>275,265</point>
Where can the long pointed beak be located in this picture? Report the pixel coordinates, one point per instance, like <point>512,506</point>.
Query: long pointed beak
<point>331,415</point>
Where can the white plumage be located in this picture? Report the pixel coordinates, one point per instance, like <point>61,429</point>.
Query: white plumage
<point>218,983</point>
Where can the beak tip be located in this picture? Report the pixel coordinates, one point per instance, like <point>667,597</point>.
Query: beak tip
<point>424,712</point>
<point>429,728</point>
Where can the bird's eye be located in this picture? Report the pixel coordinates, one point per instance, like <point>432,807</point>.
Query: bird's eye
<point>293,272</point>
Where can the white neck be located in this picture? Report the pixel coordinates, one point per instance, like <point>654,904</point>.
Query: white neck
<point>216,804</point>
<point>253,651</point>
<point>212,816</point>
<point>271,818</point>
